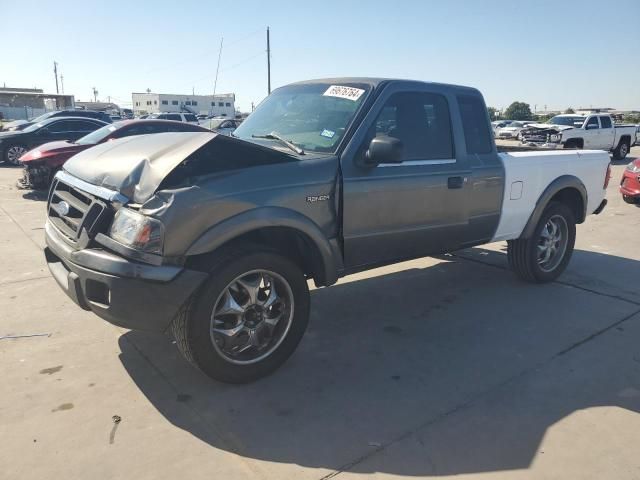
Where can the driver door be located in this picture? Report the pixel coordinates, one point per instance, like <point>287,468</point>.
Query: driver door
<point>593,138</point>
<point>413,208</point>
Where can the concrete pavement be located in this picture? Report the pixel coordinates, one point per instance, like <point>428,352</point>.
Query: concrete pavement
<point>434,367</point>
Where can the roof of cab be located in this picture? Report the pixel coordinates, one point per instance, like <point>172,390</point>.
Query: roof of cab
<point>378,81</point>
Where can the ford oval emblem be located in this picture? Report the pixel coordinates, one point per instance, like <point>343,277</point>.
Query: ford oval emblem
<point>62,208</point>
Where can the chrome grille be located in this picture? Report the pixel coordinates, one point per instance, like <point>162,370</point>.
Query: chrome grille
<point>73,211</point>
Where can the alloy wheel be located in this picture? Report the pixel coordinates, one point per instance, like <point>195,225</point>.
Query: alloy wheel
<point>552,243</point>
<point>252,316</point>
<point>14,153</point>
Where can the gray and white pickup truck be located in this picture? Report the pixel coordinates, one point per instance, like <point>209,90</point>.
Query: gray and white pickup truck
<point>596,132</point>
<point>215,237</point>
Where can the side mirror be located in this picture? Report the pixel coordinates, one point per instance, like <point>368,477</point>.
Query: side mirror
<point>384,149</point>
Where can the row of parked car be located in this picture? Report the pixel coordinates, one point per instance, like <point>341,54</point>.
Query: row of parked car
<point>42,145</point>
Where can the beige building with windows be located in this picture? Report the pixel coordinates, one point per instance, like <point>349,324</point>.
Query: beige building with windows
<point>222,104</point>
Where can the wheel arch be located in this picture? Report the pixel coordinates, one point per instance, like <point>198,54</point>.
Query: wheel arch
<point>577,141</point>
<point>623,138</point>
<point>567,189</point>
<point>287,231</point>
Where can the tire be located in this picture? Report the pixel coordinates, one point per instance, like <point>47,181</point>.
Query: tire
<point>202,345</point>
<point>13,153</point>
<point>524,254</point>
<point>621,150</point>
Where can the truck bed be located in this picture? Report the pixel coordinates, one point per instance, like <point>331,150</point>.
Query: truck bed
<point>528,172</point>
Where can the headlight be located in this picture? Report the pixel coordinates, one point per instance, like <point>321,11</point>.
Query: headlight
<point>137,231</point>
<point>555,137</point>
<point>633,167</point>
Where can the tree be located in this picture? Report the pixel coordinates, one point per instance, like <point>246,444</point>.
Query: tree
<point>569,111</point>
<point>518,111</point>
<point>494,114</point>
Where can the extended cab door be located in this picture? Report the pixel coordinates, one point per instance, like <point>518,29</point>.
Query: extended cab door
<point>413,208</point>
<point>592,137</point>
<point>607,133</point>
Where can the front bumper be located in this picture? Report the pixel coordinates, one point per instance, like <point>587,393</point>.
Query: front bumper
<point>126,293</point>
<point>546,146</point>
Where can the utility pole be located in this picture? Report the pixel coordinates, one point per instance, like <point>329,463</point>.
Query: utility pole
<point>215,83</point>
<point>95,94</point>
<point>268,63</point>
<point>55,72</point>
<point>62,82</point>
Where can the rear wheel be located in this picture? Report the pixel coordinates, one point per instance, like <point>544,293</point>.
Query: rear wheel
<point>545,255</point>
<point>13,153</point>
<point>247,319</point>
<point>621,150</point>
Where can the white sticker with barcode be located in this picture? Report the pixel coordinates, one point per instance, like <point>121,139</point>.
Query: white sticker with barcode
<point>350,93</point>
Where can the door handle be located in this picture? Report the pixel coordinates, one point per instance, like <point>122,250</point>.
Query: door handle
<point>455,182</point>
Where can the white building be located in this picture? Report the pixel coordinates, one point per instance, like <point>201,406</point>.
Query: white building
<point>222,104</point>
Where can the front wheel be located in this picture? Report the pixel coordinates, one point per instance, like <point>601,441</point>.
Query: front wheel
<point>247,319</point>
<point>545,255</point>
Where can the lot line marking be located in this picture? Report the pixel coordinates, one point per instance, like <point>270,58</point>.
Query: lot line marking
<point>559,282</point>
<point>478,397</point>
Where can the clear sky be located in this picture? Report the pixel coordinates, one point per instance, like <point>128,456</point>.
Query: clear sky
<point>557,53</point>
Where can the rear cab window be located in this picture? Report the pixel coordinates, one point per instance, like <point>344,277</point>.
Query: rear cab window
<point>475,124</point>
<point>605,122</point>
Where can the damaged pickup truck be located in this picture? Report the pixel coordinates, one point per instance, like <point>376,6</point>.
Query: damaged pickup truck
<point>214,238</point>
<point>596,132</point>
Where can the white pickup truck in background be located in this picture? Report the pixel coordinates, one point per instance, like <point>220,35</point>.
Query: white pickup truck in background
<point>596,131</point>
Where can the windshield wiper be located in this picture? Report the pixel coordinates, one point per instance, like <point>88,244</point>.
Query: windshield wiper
<point>275,136</point>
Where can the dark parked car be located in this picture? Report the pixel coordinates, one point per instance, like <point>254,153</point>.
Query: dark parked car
<point>21,124</point>
<point>41,163</point>
<point>15,144</point>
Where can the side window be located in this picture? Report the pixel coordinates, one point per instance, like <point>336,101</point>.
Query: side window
<point>141,130</point>
<point>593,123</point>
<point>190,117</point>
<point>474,123</point>
<point>80,126</point>
<point>58,127</point>
<point>175,117</point>
<point>605,122</point>
<point>421,122</point>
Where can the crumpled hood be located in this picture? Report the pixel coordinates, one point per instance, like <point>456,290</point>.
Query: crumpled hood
<point>550,125</point>
<point>135,166</point>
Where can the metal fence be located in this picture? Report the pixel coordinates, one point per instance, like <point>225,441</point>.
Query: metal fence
<point>21,113</point>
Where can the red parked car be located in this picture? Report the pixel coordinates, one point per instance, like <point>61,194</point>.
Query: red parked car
<point>42,163</point>
<point>630,184</point>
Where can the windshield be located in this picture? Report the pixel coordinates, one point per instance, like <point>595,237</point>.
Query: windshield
<point>96,136</point>
<point>561,120</point>
<point>313,116</point>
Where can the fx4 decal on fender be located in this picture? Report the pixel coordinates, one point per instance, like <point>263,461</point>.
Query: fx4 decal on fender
<point>317,198</point>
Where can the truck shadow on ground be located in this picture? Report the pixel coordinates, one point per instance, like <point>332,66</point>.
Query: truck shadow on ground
<point>444,369</point>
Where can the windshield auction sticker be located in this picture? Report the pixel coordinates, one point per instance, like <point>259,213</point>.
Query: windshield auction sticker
<point>350,93</point>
